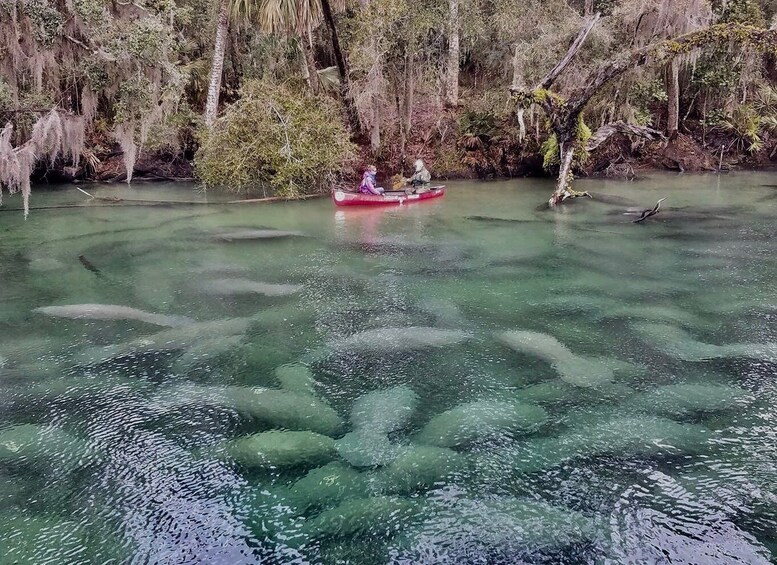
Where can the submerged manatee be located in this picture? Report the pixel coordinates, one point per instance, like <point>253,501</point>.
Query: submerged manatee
<point>679,343</point>
<point>505,529</point>
<point>679,400</point>
<point>328,486</point>
<point>384,411</point>
<point>276,449</point>
<point>270,407</point>
<point>207,351</point>
<point>375,415</point>
<point>296,377</point>
<point>619,435</point>
<point>44,446</point>
<point>574,369</point>
<point>165,341</point>
<point>113,312</point>
<point>255,234</point>
<point>419,468</point>
<point>376,516</point>
<point>367,448</point>
<point>483,418</point>
<point>233,287</point>
<point>399,339</point>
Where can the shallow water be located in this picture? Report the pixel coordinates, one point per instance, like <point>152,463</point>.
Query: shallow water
<point>470,380</point>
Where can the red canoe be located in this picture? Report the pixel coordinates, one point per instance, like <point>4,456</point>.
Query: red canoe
<point>343,198</point>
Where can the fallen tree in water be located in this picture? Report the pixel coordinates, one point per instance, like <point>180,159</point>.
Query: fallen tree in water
<point>571,139</point>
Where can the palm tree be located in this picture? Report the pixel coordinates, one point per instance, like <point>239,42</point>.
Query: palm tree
<point>217,66</point>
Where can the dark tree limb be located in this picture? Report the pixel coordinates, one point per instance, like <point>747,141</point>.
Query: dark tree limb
<point>605,132</point>
<point>577,44</point>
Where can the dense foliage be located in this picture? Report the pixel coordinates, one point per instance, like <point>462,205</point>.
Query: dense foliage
<point>278,137</point>
<point>426,79</point>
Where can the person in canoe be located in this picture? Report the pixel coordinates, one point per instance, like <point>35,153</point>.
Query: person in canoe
<point>368,184</point>
<point>420,180</point>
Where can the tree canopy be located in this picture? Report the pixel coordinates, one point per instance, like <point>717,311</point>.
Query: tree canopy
<point>85,80</point>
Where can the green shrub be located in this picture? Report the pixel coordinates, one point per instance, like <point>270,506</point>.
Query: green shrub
<point>274,136</point>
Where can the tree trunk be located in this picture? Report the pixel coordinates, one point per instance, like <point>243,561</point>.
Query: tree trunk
<point>567,153</point>
<point>452,71</point>
<point>409,93</point>
<point>342,67</point>
<point>374,126</point>
<point>673,96</point>
<point>310,72</point>
<point>589,7</point>
<point>217,66</point>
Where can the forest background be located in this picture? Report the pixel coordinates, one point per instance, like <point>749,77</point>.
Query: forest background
<point>289,97</point>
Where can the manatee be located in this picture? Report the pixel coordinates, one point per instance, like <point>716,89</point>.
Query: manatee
<point>384,411</point>
<point>399,339</point>
<point>26,538</point>
<point>503,528</point>
<point>270,407</point>
<point>376,516</point>
<point>367,448</point>
<point>207,351</point>
<point>420,468</point>
<point>679,343</point>
<point>276,449</point>
<point>251,234</point>
<point>296,377</point>
<point>556,391</point>
<point>44,446</point>
<point>680,400</point>
<point>328,486</point>
<point>619,435</point>
<point>652,313</point>
<point>232,287</point>
<point>574,369</point>
<point>480,419</point>
<point>169,340</point>
<point>113,312</point>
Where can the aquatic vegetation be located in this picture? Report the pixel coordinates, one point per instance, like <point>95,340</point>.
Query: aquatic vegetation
<point>376,516</point>
<point>328,486</point>
<point>679,343</point>
<point>574,369</point>
<point>687,399</point>
<point>277,449</point>
<point>112,312</point>
<point>473,421</point>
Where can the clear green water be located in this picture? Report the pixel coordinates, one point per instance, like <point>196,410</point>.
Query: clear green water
<point>636,423</point>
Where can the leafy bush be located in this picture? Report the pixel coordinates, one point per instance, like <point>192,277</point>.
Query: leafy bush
<point>294,142</point>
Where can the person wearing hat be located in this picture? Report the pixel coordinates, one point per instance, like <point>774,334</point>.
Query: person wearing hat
<point>369,184</point>
<point>420,180</point>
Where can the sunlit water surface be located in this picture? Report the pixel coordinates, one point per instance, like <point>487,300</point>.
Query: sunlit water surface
<point>470,380</point>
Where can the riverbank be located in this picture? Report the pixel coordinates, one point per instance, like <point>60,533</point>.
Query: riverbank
<point>460,158</point>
